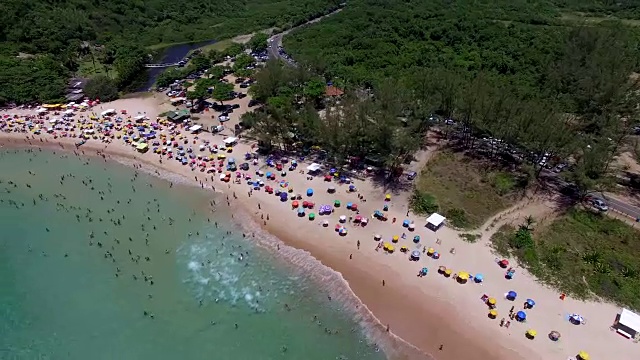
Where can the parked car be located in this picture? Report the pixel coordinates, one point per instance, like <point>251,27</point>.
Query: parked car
<point>599,204</point>
<point>244,85</point>
<point>412,175</point>
<point>253,102</point>
<point>559,168</point>
<point>235,106</point>
<point>242,95</point>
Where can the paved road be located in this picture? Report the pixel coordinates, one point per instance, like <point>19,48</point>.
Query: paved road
<point>621,206</point>
<point>275,41</point>
<point>613,203</point>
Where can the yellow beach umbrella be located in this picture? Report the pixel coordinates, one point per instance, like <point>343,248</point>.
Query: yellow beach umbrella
<point>583,355</point>
<point>491,301</point>
<point>493,314</point>
<point>387,197</point>
<point>532,332</point>
<point>390,248</point>
<point>431,251</point>
<point>463,275</point>
<point>385,246</point>
<point>447,272</point>
<point>395,238</point>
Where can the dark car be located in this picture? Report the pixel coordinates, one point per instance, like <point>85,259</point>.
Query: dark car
<point>253,102</point>
<point>235,106</point>
<point>412,175</point>
<point>239,80</point>
<point>244,85</point>
<point>242,95</point>
<point>244,166</point>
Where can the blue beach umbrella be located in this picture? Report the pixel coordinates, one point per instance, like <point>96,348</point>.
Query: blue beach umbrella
<point>283,196</point>
<point>405,223</point>
<point>479,278</point>
<point>521,316</point>
<point>416,239</point>
<point>349,205</point>
<point>352,188</point>
<point>309,192</point>
<point>511,295</point>
<point>530,303</point>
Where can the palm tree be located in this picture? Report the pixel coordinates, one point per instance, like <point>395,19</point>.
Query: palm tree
<point>528,223</point>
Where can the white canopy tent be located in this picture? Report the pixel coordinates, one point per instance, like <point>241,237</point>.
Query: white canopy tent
<point>434,221</point>
<point>140,118</point>
<point>314,167</point>
<point>628,324</point>
<point>108,112</point>
<point>230,140</point>
<point>195,128</point>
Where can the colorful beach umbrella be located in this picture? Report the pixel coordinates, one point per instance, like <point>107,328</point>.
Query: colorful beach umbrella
<point>511,295</point>
<point>395,238</point>
<point>479,278</point>
<point>521,316</point>
<point>416,239</point>
<point>463,275</point>
<point>532,333</point>
<point>312,216</point>
<point>493,314</point>
<point>530,303</point>
<point>491,301</point>
<point>583,355</point>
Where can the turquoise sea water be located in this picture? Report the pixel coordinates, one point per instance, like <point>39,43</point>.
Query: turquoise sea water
<point>100,262</point>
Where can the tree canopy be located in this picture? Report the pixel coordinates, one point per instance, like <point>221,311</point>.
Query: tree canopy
<point>53,38</point>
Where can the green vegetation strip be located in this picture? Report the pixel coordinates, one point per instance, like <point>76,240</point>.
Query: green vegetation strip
<point>467,191</point>
<point>584,254</point>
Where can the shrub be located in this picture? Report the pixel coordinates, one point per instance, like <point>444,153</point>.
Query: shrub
<point>457,217</point>
<point>423,203</point>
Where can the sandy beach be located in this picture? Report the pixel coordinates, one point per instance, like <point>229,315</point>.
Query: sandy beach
<point>434,313</point>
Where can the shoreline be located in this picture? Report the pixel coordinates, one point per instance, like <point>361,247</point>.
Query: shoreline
<point>395,347</point>
<point>434,314</point>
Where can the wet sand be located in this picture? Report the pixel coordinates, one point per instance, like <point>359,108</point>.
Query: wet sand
<point>435,314</point>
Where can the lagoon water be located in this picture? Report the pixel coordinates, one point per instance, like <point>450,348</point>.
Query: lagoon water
<point>100,262</point>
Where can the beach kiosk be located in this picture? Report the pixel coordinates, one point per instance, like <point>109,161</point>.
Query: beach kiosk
<point>314,168</point>
<point>195,128</point>
<point>108,112</point>
<point>142,147</point>
<point>627,324</point>
<point>230,141</point>
<point>435,221</point>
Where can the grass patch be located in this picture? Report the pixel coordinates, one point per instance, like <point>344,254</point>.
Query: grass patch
<point>218,46</point>
<point>465,190</point>
<point>470,238</point>
<point>576,17</point>
<point>583,253</point>
<point>88,68</point>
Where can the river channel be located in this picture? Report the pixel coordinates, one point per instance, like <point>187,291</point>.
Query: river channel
<point>170,54</point>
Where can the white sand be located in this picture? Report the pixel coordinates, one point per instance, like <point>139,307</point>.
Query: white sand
<point>425,311</point>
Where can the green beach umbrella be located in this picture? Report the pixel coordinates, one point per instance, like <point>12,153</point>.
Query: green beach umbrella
<point>336,203</point>
<point>312,216</point>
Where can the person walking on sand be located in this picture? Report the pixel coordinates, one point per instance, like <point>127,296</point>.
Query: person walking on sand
<point>393,221</point>
<point>383,282</point>
<point>358,244</point>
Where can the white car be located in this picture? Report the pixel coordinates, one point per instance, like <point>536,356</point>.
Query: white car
<point>599,204</point>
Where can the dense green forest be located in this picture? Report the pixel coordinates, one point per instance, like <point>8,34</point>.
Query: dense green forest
<point>52,35</point>
<point>513,41</point>
<point>517,72</point>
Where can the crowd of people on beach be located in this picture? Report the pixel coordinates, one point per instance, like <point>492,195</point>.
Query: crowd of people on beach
<point>157,140</point>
